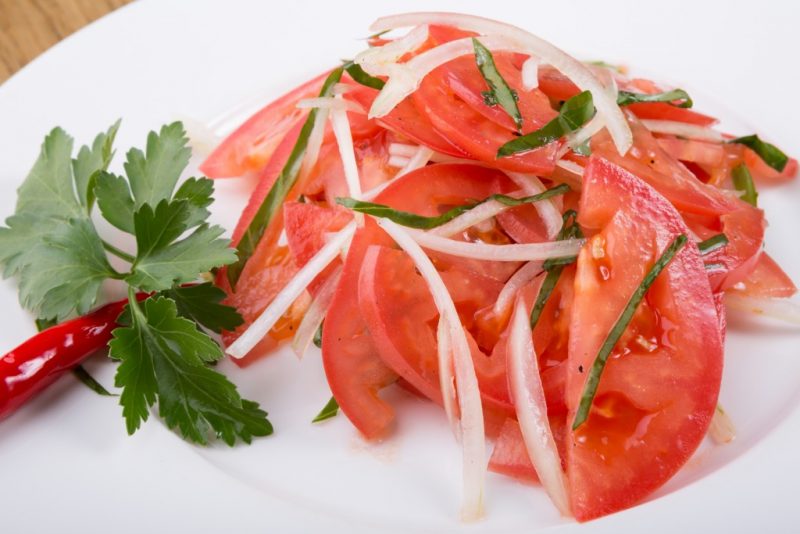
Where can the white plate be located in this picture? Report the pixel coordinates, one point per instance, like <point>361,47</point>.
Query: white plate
<point>65,461</point>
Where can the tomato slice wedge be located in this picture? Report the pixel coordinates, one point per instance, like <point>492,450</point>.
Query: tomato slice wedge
<point>767,280</point>
<point>659,388</point>
<point>250,147</point>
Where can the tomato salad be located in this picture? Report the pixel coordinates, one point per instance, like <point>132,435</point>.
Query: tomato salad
<point>543,247</point>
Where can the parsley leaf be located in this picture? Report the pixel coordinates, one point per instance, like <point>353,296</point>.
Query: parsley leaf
<point>90,161</point>
<point>330,410</point>
<point>163,359</point>
<point>202,303</point>
<point>182,261</point>
<point>114,200</point>
<point>154,174</point>
<point>198,193</point>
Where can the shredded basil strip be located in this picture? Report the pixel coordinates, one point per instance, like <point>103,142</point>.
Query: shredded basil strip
<point>772,155</point>
<point>421,222</point>
<point>712,243</point>
<point>330,410</point>
<point>277,194</point>
<point>499,89</point>
<point>575,112</point>
<point>601,63</point>
<point>317,340</point>
<point>554,266</point>
<point>743,181</point>
<point>593,380</point>
<point>80,371</point>
<point>361,76</point>
<point>669,97</point>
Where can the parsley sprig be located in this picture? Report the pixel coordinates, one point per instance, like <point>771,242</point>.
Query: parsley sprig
<point>52,247</point>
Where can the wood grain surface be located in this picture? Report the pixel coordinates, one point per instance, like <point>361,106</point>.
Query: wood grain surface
<point>29,27</point>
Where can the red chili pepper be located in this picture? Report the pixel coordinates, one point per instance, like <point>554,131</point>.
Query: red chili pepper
<point>42,359</point>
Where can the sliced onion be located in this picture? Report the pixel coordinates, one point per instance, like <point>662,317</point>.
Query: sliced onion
<point>330,102</point>
<point>524,274</point>
<point>527,393</point>
<point>484,251</point>
<point>315,314</point>
<point>532,45</point>
<point>721,430</point>
<point>782,309</point>
<point>578,137</point>
<point>478,214</point>
<point>417,161</point>
<point>283,300</point>
<point>342,88</point>
<point>570,166</point>
<point>377,60</point>
<point>550,215</point>
<point>315,139</point>
<point>530,74</point>
<point>469,397</point>
<point>397,161</point>
<point>446,377</point>
<point>402,149</point>
<point>344,139</point>
<point>683,129</point>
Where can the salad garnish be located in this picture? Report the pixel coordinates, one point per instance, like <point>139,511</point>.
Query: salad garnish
<point>769,153</point>
<point>743,182</point>
<point>575,112</point>
<point>499,92</point>
<point>52,247</point>
<point>675,97</point>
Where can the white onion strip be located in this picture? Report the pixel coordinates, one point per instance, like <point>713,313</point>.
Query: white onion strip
<point>380,58</point>
<point>417,161</point>
<point>397,161</point>
<point>402,149</point>
<point>782,309</point>
<point>530,74</point>
<point>315,314</point>
<point>570,166</point>
<point>476,215</point>
<point>573,69</point>
<point>315,139</point>
<point>683,129</point>
<point>469,398</point>
<point>583,134</point>
<point>447,384</point>
<point>344,139</point>
<point>547,210</point>
<point>527,393</point>
<point>524,274</point>
<point>284,299</point>
<point>330,102</point>
<point>721,430</point>
<point>483,251</point>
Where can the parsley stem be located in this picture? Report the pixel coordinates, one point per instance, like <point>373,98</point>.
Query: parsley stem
<point>121,254</point>
<point>590,388</point>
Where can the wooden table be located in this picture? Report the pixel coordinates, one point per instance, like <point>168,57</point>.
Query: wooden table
<point>29,27</point>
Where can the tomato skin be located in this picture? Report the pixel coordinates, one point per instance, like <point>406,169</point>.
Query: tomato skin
<point>250,147</point>
<point>700,152</point>
<point>353,368</point>
<point>510,457</point>
<point>654,403</point>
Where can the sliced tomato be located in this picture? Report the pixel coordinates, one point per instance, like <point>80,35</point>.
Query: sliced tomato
<point>353,368</point>
<point>250,147</point>
<point>767,280</point>
<point>700,152</point>
<point>509,456</point>
<point>306,225</point>
<point>659,388</point>
<point>459,123</point>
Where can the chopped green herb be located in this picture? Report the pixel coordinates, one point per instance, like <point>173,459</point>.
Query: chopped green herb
<point>743,181</point>
<point>412,220</point>
<point>575,112</point>
<point>554,266</point>
<point>202,303</point>
<point>593,380</point>
<point>330,410</point>
<point>712,243</point>
<point>318,336</point>
<point>361,76</point>
<point>583,149</point>
<point>499,91</point>
<point>772,155</point>
<point>284,182</point>
<point>625,98</point>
